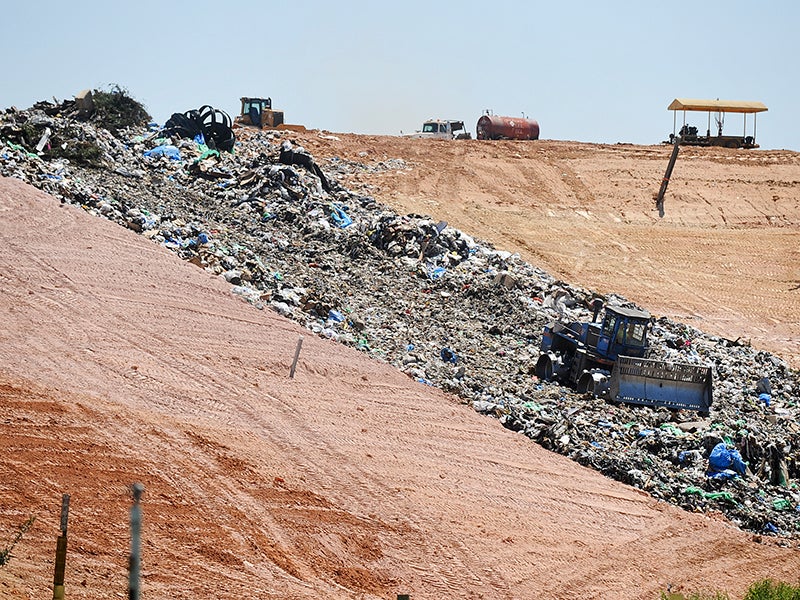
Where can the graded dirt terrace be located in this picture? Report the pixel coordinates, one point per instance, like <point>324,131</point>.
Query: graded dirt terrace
<point>120,363</point>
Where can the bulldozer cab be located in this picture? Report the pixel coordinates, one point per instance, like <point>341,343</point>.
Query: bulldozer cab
<point>259,104</point>
<point>623,332</point>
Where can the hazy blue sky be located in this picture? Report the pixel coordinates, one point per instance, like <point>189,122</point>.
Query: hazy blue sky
<point>588,71</point>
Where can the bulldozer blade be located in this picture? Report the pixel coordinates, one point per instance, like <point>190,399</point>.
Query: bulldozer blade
<point>656,383</point>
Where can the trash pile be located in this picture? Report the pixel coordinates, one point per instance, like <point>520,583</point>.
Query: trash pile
<point>448,310</point>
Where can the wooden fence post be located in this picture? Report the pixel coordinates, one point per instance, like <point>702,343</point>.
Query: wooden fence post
<point>296,356</point>
<point>134,566</point>
<point>61,551</point>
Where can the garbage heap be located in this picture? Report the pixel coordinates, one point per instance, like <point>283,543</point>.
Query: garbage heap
<point>449,310</point>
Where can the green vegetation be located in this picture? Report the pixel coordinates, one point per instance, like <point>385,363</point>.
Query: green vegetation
<point>695,596</point>
<point>5,554</point>
<point>84,153</point>
<point>29,135</point>
<point>770,590</point>
<point>765,589</point>
<point>115,109</point>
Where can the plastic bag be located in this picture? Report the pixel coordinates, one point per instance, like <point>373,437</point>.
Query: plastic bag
<point>171,152</point>
<point>724,459</point>
<point>339,216</point>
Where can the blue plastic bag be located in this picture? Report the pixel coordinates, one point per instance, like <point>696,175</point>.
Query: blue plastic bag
<point>336,316</point>
<point>341,218</point>
<point>435,273</point>
<point>724,459</point>
<point>171,152</point>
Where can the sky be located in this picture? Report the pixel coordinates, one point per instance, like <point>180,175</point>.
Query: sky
<point>588,71</point>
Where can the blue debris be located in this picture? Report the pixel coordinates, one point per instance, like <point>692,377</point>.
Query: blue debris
<point>339,216</point>
<point>435,273</point>
<point>448,355</point>
<point>770,528</point>
<point>170,152</point>
<point>336,316</point>
<point>724,463</point>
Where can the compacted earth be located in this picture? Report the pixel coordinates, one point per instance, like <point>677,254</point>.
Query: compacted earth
<point>121,363</point>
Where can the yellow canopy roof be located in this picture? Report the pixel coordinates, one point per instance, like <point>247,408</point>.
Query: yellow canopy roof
<point>733,106</point>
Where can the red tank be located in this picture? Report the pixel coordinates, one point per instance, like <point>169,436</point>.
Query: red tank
<point>492,127</point>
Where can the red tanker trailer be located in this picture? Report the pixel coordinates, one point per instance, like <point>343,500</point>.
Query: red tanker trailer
<point>493,127</point>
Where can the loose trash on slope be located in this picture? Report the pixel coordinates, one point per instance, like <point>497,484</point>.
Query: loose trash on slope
<point>298,156</point>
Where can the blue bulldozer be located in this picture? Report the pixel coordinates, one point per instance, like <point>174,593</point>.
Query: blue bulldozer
<point>608,358</point>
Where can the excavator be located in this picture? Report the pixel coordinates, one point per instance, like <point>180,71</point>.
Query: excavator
<point>608,359</point>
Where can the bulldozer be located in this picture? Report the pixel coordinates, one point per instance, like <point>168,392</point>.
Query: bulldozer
<point>257,112</point>
<point>608,359</point>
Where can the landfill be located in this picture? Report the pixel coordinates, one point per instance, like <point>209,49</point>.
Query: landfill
<point>449,310</point>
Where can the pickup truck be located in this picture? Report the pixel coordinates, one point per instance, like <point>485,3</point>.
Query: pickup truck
<point>442,129</point>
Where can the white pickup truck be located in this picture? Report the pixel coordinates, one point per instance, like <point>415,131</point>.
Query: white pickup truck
<point>442,129</point>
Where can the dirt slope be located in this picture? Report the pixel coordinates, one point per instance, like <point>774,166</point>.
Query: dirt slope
<point>120,363</point>
<point>725,257</point>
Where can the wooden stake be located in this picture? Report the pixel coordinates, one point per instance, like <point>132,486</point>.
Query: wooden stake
<point>61,551</point>
<point>667,175</point>
<point>296,356</point>
<point>135,563</point>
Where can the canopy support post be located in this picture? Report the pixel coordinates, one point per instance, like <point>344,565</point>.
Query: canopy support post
<point>755,120</point>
